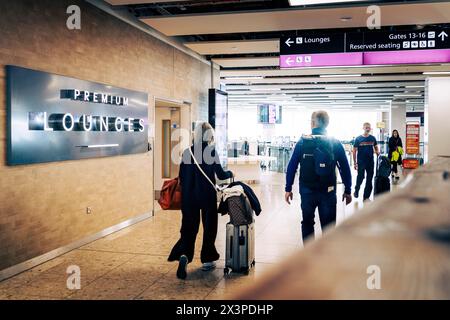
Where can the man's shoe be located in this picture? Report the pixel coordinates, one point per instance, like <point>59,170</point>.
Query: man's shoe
<point>182,266</point>
<point>208,266</point>
<point>356,195</point>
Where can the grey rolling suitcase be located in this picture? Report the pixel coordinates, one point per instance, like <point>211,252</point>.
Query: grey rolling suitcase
<point>240,248</point>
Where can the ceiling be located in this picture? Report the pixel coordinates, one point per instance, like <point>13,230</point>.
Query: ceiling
<point>242,37</point>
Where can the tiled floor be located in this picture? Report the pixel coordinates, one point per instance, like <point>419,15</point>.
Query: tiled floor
<point>132,263</point>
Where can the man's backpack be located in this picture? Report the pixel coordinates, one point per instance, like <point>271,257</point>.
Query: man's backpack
<point>317,163</point>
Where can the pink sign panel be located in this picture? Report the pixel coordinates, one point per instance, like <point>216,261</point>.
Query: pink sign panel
<point>321,60</point>
<point>412,56</point>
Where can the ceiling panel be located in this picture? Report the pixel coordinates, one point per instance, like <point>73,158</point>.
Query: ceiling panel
<point>247,62</point>
<point>321,91</point>
<point>399,77</point>
<point>323,85</point>
<point>334,70</point>
<point>299,19</point>
<point>235,47</point>
<point>127,2</point>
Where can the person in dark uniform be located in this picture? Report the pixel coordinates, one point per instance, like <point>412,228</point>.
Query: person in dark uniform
<point>199,199</point>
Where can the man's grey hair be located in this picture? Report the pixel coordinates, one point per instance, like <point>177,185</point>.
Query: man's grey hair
<point>203,132</point>
<point>321,119</point>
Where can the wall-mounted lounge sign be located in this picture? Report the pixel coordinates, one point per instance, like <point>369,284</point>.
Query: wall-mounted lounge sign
<point>55,118</point>
<point>365,48</point>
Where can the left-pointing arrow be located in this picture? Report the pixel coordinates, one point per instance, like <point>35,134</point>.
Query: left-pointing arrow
<point>289,42</point>
<point>289,61</point>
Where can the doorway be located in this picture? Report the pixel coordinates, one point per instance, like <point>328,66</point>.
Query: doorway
<point>172,131</point>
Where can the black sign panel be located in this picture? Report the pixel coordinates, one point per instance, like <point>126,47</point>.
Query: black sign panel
<point>218,118</point>
<point>401,40</point>
<point>312,43</point>
<point>55,118</point>
<point>304,43</point>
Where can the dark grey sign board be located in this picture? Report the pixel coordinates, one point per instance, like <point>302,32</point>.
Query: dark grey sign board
<point>56,118</point>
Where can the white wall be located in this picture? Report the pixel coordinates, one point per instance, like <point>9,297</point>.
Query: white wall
<point>398,119</point>
<point>437,114</point>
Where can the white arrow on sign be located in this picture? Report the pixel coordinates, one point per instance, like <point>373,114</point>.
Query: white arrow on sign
<point>443,34</point>
<point>289,42</point>
<point>289,61</point>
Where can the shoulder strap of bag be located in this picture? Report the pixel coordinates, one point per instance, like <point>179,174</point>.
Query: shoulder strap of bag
<point>201,170</point>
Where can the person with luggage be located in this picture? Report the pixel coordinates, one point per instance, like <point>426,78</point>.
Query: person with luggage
<point>363,149</point>
<point>395,153</point>
<point>382,183</point>
<point>318,156</point>
<point>199,200</point>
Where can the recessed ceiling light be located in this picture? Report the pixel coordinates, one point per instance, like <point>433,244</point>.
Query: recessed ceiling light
<point>337,88</point>
<point>244,78</point>
<point>339,75</point>
<point>311,2</point>
<point>265,89</point>
<point>345,19</point>
<point>436,72</point>
<point>407,95</point>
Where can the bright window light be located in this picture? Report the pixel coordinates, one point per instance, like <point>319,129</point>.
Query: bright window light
<point>310,2</point>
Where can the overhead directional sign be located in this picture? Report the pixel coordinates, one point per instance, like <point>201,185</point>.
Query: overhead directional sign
<point>365,48</point>
<point>392,41</point>
<point>323,43</point>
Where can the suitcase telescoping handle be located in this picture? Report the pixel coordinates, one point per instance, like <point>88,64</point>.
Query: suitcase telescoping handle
<point>231,247</point>
<point>242,238</point>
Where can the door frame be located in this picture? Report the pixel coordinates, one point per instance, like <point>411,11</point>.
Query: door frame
<point>170,103</point>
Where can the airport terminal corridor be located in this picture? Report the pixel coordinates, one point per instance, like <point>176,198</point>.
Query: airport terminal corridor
<point>132,263</point>
<point>120,119</point>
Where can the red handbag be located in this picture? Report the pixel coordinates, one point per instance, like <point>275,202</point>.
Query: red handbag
<point>170,198</point>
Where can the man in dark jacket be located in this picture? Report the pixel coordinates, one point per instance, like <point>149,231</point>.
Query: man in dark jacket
<point>318,156</point>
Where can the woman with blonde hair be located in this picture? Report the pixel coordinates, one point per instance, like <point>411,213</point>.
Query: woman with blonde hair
<point>199,199</point>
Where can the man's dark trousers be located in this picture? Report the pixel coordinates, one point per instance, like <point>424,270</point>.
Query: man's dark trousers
<point>365,169</point>
<point>325,202</point>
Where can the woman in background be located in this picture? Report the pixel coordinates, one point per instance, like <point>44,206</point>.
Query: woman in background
<point>199,199</point>
<point>395,153</point>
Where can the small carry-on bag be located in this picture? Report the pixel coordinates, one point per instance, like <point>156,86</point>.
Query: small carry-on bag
<point>240,210</point>
<point>240,248</point>
<point>170,198</point>
<point>382,183</point>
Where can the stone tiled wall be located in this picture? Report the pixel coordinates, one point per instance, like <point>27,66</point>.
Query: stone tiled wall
<point>43,206</point>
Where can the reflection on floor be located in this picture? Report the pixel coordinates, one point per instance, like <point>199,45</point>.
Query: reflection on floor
<point>132,263</point>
